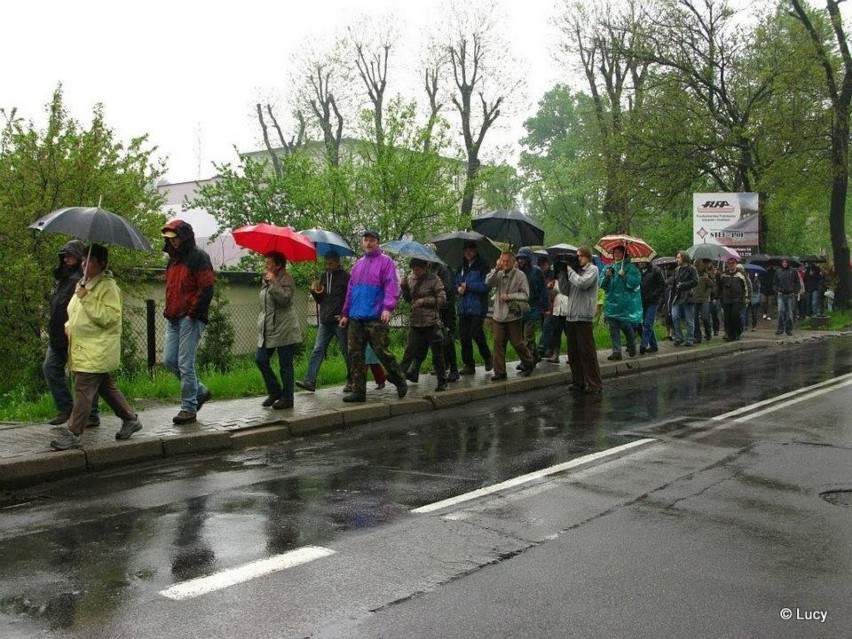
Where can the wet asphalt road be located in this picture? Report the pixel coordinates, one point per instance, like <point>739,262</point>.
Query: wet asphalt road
<point>86,550</point>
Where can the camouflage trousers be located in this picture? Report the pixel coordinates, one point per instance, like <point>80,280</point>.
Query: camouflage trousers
<point>377,335</point>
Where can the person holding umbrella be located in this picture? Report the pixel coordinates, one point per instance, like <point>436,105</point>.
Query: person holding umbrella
<point>189,290</point>
<point>279,331</point>
<point>621,282</point>
<point>472,308</point>
<point>94,350</point>
<point>67,274</point>
<point>371,297</point>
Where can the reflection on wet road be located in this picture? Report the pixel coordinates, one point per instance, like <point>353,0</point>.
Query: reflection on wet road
<point>100,542</point>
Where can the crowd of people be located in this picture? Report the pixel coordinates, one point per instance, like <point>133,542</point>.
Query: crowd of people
<point>533,300</point>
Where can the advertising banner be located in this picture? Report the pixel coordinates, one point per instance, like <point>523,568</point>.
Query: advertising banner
<point>729,219</point>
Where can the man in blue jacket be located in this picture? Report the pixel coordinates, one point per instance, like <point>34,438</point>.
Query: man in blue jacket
<point>539,299</point>
<point>472,308</point>
<point>371,297</point>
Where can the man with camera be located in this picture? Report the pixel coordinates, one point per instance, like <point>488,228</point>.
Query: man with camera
<point>578,281</point>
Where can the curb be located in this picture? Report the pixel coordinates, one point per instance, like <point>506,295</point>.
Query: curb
<point>35,468</point>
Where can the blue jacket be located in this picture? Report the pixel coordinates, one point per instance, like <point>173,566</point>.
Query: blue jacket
<point>475,299</point>
<point>373,287</point>
<point>539,297</point>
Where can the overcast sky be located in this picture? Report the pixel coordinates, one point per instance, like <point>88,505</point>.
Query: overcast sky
<point>188,72</point>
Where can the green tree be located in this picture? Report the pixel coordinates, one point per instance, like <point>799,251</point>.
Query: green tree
<point>216,351</point>
<point>65,163</point>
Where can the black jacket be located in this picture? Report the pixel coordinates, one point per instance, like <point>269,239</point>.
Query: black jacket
<point>685,279</point>
<point>333,295</point>
<point>66,283</point>
<point>653,286</point>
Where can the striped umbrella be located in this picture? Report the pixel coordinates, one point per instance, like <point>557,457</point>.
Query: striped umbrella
<point>633,246</point>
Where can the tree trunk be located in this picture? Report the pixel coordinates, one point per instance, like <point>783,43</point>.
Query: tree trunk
<point>837,211</point>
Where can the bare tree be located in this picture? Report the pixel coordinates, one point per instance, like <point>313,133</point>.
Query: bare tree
<point>606,42</point>
<point>372,46</point>
<point>483,79</point>
<point>839,88</point>
<point>295,142</point>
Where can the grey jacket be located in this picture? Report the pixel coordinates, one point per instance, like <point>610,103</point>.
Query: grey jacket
<point>512,282</point>
<point>581,287</point>
<point>278,323</point>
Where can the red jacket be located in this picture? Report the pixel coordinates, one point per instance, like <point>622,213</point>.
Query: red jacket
<point>189,276</point>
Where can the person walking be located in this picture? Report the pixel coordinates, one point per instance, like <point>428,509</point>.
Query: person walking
<point>814,285</point>
<point>329,294</point>
<point>653,287</point>
<point>788,286</point>
<point>278,331</point>
<point>189,290</point>
<point>67,275</point>
<point>424,290</point>
<point>371,296</point>
<point>702,296</point>
<point>472,308</point>
<point>94,350</point>
<point>581,289</point>
<point>733,291</point>
<point>683,302</point>
<point>510,303</point>
<point>621,281</point>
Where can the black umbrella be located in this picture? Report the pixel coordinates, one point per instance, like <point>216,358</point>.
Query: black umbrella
<point>811,259</point>
<point>663,261</point>
<point>772,260</point>
<point>95,225</point>
<point>511,227</point>
<point>561,249</point>
<point>450,247</point>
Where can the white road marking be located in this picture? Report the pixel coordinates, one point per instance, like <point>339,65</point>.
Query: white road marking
<point>240,574</point>
<point>524,479</point>
<point>772,400</point>
<point>791,402</point>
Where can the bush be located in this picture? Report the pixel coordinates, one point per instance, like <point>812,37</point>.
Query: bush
<point>216,350</point>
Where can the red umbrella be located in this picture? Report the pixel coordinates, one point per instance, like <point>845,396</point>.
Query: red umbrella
<point>634,246</point>
<point>267,238</point>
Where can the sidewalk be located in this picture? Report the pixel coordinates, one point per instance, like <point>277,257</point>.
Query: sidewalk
<point>25,456</point>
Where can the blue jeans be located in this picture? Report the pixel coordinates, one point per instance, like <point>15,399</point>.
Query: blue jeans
<point>683,312</point>
<point>616,326</point>
<point>57,382</point>
<point>815,303</point>
<point>284,390</point>
<point>182,338</point>
<point>786,306</point>
<point>325,333</point>
<point>649,316</point>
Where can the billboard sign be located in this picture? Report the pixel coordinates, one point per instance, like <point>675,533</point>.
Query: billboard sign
<point>730,219</point>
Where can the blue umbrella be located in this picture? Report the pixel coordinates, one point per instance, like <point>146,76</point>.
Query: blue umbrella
<point>326,241</point>
<point>409,249</point>
<point>754,268</point>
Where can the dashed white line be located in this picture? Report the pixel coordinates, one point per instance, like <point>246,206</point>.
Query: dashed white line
<point>524,479</point>
<point>247,572</point>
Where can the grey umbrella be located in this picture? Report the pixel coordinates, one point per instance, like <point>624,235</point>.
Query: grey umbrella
<point>512,227</point>
<point>95,225</point>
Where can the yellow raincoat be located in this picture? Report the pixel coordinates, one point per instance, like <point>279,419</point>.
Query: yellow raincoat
<point>94,327</point>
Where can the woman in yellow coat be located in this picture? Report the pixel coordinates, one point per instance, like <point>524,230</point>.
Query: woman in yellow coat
<point>94,350</point>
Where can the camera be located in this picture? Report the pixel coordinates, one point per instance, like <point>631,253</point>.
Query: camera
<point>565,259</point>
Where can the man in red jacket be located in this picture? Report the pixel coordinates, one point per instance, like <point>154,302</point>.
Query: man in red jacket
<point>189,290</point>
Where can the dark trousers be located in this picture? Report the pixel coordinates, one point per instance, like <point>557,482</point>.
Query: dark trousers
<point>513,332</point>
<point>470,332</point>
<point>87,386</point>
<point>263,359</point>
<point>583,355</point>
<point>733,312</point>
<point>558,326</point>
<point>421,338</point>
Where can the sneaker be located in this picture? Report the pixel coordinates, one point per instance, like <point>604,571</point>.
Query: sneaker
<point>453,376</point>
<point>552,360</point>
<point>349,388</point>
<point>354,397</point>
<point>489,364</point>
<point>614,358</point>
<point>61,418</point>
<point>203,398</point>
<point>184,417</point>
<point>576,388</point>
<point>93,422</point>
<point>631,351</point>
<point>269,401</point>
<point>282,403</point>
<point>689,344</point>
<point>66,441</point>
<point>519,367</point>
<point>527,370</point>
<point>306,385</point>
<point>642,349</point>
<point>128,428</point>
<point>380,386</point>
<point>467,370</point>
<point>401,389</point>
